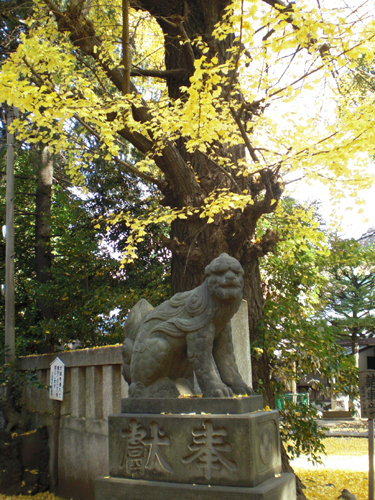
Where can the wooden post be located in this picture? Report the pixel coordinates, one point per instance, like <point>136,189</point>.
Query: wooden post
<point>9,245</point>
<point>56,445</point>
<point>294,384</point>
<point>371,459</point>
<point>367,394</point>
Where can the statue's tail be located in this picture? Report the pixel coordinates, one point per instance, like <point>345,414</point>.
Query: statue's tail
<point>136,316</point>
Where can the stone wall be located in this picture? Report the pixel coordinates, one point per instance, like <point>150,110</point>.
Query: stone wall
<point>77,425</point>
<point>24,467</point>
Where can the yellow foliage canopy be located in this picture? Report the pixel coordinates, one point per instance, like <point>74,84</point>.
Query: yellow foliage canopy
<point>68,70</point>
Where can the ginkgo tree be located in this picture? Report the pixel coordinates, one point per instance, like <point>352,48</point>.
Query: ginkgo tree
<point>210,100</point>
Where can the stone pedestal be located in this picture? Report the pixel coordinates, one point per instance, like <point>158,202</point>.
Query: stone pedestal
<point>278,488</point>
<point>191,453</point>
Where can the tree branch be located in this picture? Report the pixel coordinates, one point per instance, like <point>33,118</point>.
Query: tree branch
<point>183,186</point>
<point>279,3</point>
<point>132,169</point>
<point>23,177</point>
<point>222,169</point>
<point>187,48</point>
<point>126,60</point>
<point>155,73</point>
<point>234,73</point>
<point>190,58</point>
<point>244,135</point>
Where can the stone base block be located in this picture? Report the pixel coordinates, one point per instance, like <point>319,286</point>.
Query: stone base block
<point>282,487</point>
<point>226,450</point>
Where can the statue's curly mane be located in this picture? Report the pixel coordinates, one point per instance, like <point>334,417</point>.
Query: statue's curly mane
<point>197,303</point>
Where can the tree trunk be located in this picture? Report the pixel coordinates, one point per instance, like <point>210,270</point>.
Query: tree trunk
<point>43,254</point>
<point>355,348</point>
<point>288,468</point>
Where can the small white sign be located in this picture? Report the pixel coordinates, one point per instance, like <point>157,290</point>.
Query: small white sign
<point>56,390</point>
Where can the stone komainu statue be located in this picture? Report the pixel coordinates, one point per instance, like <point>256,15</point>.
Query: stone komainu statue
<point>189,333</point>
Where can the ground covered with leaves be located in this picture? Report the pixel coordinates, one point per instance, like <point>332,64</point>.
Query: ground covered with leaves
<point>345,466</point>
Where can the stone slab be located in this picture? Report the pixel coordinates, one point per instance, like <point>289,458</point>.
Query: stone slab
<point>337,414</point>
<point>276,488</point>
<point>232,406</point>
<point>241,343</point>
<point>227,450</point>
<point>241,346</point>
<point>109,355</point>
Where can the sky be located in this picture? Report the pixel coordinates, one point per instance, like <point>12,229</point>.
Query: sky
<point>352,224</point>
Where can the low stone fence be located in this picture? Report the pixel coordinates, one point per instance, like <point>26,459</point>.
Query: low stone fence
<point>77,425</point>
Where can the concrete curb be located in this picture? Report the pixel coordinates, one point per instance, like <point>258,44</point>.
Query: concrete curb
<point>346,434</point>
<point>340,433</point>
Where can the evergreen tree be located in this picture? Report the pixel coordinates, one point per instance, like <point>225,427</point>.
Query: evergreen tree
<point>298,339</point>
<point>350,292</point>
<point>87,291</point>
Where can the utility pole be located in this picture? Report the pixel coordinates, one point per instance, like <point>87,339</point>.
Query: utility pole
<point>9,245</point>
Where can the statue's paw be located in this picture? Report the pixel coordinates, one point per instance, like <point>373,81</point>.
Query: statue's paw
<point>136,390</point>
<point>243,390</point>
<point>219,391</point>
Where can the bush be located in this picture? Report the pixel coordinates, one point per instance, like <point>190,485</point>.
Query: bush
<point>300,431</point>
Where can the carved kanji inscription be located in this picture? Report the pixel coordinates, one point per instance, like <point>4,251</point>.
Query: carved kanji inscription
<point>208,450</point>
<point>142,452</point>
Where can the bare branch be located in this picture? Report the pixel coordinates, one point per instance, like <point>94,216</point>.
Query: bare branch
<point>187,48</point>
<point>244,135</point>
